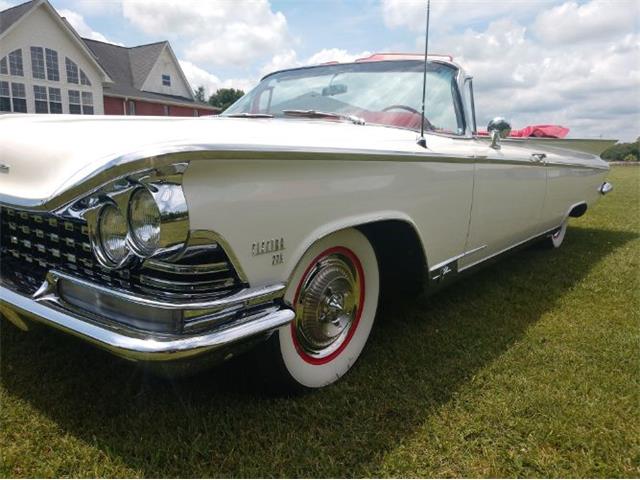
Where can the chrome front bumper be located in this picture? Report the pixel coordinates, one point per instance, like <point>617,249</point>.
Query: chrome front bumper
<point>48,308</point>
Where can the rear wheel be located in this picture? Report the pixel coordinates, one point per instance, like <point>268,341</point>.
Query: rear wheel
<point>334,292</point>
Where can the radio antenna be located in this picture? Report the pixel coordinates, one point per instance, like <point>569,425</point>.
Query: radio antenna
<point>422,141</point>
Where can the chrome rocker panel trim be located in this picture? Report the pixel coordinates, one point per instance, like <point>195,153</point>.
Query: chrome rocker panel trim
<point>134,344</point>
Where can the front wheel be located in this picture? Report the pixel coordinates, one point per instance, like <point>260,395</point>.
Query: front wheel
<point>334,292</point>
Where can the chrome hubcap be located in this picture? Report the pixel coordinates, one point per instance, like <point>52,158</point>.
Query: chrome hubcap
<point>327,305</point>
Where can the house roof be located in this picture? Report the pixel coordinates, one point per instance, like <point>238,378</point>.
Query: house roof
<point>129,67</point>
<point>11,15</point>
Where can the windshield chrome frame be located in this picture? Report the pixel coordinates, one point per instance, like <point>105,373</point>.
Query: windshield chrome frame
<point>457,95</point>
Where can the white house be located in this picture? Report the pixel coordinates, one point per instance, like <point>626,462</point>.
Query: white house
<point>46,67</point>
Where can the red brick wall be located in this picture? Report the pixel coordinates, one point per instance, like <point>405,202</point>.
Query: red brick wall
<point>181,111</point>
<point>148,108</point>
<point>113,106</point>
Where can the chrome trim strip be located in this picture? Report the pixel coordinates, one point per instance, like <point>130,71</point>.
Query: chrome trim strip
<point>91,179</point>
<point>515,245</point>
<point>438,266</point>
<point>197,285</point>
<point>246,297</point>
<point>180,269</point>
<point>134,345</point>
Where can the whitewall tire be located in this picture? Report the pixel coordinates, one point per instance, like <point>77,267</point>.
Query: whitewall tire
<point>334,291</point>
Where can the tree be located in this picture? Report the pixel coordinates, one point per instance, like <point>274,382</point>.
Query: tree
<point>198,93</point>
<point>623,152</point>
<point>224,97</point>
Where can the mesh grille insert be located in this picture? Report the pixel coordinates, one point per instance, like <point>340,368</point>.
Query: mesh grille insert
<point>31,244</point>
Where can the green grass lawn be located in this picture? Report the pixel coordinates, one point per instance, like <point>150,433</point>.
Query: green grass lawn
<point>530,367</point>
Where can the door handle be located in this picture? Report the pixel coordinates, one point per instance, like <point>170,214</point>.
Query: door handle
<point>538,157</point>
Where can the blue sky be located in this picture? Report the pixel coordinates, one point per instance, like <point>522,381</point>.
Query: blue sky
<point>570,62</point>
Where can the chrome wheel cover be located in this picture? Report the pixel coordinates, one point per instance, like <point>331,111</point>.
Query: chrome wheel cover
<point>327,305</point>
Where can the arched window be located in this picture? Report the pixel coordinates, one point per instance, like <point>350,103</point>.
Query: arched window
<point>4,70</point>
<point>15,63</point>
<point>84,80</point>
<point>75,74</point>
<point>37,62</point>
<point>53,73</point>
<point>72,71</point>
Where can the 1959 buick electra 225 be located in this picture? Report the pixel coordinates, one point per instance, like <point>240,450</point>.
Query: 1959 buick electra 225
<point>170,241</point>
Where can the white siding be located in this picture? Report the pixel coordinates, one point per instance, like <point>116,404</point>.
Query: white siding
<point>39,29</point>
<point>166,66</point>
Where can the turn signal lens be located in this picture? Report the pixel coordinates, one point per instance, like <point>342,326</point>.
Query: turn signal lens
<point>144,220</point>
<point>112,229</point>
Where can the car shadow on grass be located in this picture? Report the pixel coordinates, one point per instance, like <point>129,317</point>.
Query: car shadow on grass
<point>221,423</point>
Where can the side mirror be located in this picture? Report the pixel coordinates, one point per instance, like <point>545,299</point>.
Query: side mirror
<point>498,129</point>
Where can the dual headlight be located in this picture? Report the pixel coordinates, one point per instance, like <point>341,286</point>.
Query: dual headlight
<point>150,220</point>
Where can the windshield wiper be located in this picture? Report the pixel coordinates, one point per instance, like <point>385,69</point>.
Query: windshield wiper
<point>249,115</point>
<point>317,114</point>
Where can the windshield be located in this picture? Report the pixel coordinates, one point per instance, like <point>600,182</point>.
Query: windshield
<point>387,93</point>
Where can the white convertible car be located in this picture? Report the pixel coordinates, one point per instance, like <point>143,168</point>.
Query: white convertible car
<point>177,242</point>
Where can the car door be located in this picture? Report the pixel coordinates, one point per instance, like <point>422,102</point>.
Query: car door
<point>508,197</point>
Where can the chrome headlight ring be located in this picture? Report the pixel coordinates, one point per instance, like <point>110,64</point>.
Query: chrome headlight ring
<point>170,229</point>
<point>165,189</point>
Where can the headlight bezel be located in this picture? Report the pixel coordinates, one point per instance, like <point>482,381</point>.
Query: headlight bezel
<point>167,192</point>
<point>173,215</point>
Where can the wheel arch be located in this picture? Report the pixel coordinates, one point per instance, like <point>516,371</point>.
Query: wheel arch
<point>395,238</point>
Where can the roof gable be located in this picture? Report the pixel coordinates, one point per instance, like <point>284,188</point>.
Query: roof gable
<point>12,17</point>
<point>130,68</point>
<point>142,59</point>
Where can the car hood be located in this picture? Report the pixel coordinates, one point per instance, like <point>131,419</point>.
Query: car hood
<point>44,155</point>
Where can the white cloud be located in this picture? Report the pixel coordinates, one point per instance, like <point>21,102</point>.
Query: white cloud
<point>449,14</point>
<point>78,22</point>
<point>289,59</point>
<point>199,77</point>
<point>216,33</point>
<point>591,22</point>
<point>576,65</point>
<point>335,55</point>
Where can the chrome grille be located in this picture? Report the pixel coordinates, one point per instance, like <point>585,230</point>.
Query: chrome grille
<point>31,244</point>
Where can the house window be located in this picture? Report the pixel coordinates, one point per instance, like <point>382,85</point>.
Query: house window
<point>19,97</point>
<point>166,110</point>
<point>55,100</point>
<point>52,65</point>
<point>87,103</point>
<point>41,100</point>
<point>3,66</point>
<point>84,80</point>
<point>37,62</point>
<point>74,102</point>
<point>72,71</point>
<point>15,63</point>
<point>166,80</point>
<point>5,97</point>
<point>132,107</point>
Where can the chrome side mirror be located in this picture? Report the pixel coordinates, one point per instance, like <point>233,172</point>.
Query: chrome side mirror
<point>498,129</point>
